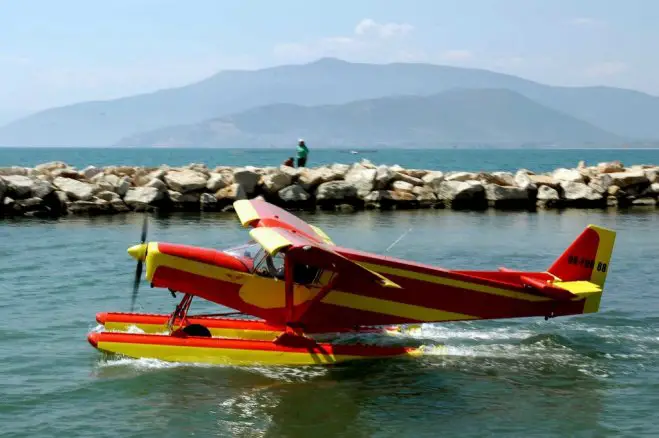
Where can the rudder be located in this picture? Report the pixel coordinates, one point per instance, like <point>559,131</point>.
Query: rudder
<point>588,258</point>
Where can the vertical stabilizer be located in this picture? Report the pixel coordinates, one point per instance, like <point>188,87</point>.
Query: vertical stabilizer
<point>588,258</point>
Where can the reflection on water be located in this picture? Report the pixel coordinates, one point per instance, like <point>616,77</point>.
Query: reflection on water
<point>592,375</point>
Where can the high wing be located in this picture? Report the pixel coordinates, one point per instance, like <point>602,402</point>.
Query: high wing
<point>259,213</point>
<point>303,250</point>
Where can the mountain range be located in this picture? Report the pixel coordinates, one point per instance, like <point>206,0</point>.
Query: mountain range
<point>331,102</point>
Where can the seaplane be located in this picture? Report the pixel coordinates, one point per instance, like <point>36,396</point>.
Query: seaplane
<point>295,296</point>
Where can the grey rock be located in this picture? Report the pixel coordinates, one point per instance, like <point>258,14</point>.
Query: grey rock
<point>294,193</point>
<point>218,181</point>
<point>75,190</point>
<point>247,178</point>
<point>546,193</point>
<point>18,186</point>
<point>90,172</point>
<point>186,180</point>
<point>576,191</point>
<point>569,175</point>
<point>141,196</point>
<point>335,191</point>
<point>157,184</point>
<point>362,179</point>
<point>276,181</point>
<point>107,196</point>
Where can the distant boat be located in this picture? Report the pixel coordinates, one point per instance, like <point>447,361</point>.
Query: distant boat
<point>354,152</point>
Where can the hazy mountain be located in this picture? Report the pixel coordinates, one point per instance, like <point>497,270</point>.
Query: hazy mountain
<point>327,81</point>
<point>8,115</point>
<point>459,116</point>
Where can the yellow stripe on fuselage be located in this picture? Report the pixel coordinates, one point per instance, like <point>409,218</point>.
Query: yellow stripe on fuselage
<point>393,308</point>
<point>226,356</point>
<point>405,273</point>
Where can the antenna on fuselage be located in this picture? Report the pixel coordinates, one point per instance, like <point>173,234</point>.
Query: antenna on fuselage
<point>398,240</point>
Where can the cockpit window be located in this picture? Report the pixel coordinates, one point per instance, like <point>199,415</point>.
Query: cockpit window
<point>249,251</point>
<point>270,266</point>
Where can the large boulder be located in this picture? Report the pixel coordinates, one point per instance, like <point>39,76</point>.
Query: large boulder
<point>384,176</point>
<point>293,194</point>
<point>462,194</point>
<point>546,193</point>
<point>543,180</point>
<point>3,188</point>
<point>499,196</point>
<point>310,178</point>
<point>208,202</point>
<point>362,179</point>
<point>218,181</point>
<point>523,180</point>
<point>610,167</point>
<point>601,183</point>
<point>41,189</point>
<point>90,171</point>
<point>140,197</point>
<point>569,175</point>
<point>186,180</point>
<point>46,168</point>
<point>248,178</point>
<point>18,186</point>
<point>157,184</point>
<point>231,193</point>
<point>403,186</point>
<point>627,179</point>
<point>461,176</point>
<point>13,171</point>
<point>276,181</point>
<point>580,195</point>
<point>498,178</point>
<point>433,179</point>
<point>336,191</point>
<point>74,189</point>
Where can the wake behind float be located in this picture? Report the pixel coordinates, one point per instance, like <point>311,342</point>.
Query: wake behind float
<point>306,295</point>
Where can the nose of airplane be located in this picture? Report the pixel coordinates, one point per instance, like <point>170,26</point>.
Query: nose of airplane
<point>138,252</point>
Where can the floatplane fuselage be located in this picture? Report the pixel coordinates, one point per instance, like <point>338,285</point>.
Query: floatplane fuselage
<point>300,287</point>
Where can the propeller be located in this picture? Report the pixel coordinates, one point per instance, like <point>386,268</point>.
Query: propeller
<point>140,263</point>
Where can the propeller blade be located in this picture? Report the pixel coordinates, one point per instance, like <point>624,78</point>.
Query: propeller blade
<point>140,264</point>
<point>136,284</point>
<point>145,227</point>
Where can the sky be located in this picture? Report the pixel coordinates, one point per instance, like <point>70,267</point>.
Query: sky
<point>55,53</point>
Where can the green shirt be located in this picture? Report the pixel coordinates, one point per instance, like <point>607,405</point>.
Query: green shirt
<point>302,151</point>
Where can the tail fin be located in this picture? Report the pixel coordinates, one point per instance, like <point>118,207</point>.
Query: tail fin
<point>587,258</point>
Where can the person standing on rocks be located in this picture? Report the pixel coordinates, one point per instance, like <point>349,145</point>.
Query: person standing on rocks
<point>302,153</point>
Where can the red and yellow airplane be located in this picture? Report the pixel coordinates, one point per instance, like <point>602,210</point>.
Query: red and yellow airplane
<point>298,286</point>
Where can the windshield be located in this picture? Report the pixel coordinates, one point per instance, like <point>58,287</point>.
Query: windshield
<point>247,251</point>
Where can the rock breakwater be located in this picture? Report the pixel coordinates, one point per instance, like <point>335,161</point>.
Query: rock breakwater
<point>56,189</point>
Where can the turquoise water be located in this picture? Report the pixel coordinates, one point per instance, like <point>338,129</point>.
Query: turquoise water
<point>592,375</point>
<point>441,159</point>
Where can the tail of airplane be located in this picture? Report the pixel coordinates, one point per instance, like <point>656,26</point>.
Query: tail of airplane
<point>588,258</point>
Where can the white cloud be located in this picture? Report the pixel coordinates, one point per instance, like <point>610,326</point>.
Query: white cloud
<point>369,41</point>
<point>606,69</point>
<point>386,30</point>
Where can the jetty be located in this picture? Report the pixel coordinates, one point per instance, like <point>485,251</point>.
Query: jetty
<point>57,189</point>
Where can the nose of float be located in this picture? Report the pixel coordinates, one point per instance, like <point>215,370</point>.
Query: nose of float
<point>92,338</point>
<point>138,252</point>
